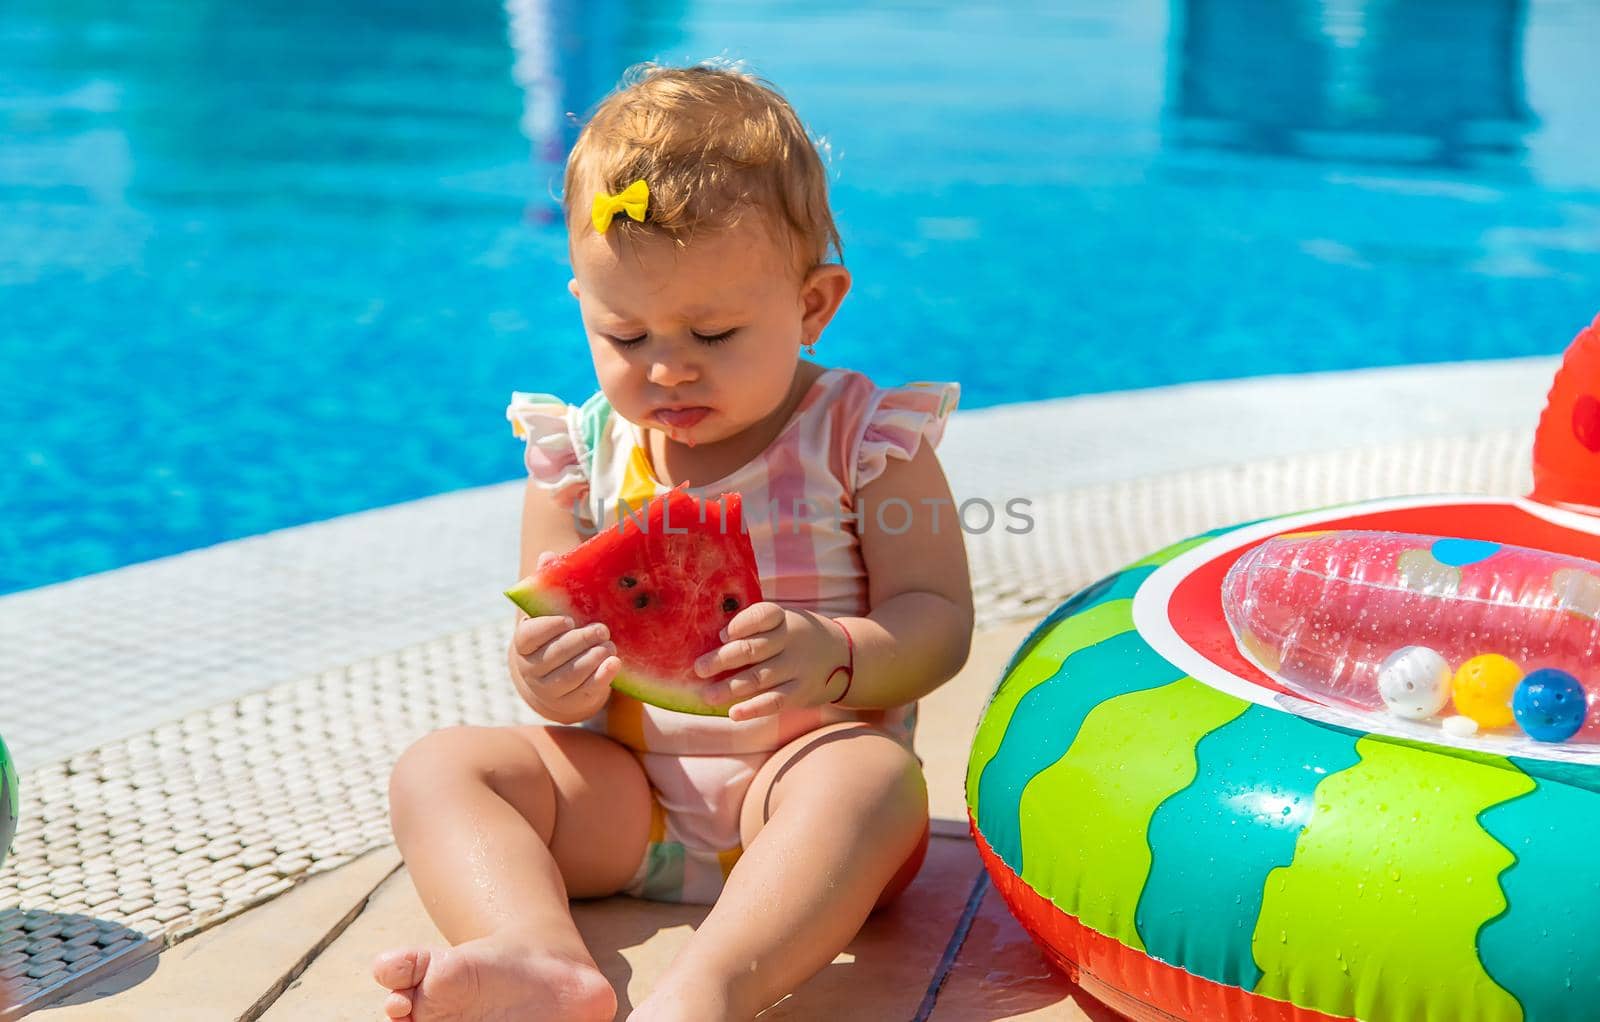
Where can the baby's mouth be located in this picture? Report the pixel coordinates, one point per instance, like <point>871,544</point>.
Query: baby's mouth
<point>682,418</point>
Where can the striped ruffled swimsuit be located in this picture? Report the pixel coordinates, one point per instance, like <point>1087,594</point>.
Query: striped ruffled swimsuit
<point>798,496</point>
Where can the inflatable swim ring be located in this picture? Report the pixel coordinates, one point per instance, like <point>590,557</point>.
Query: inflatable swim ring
<point>1189,835</point>
<point>8,802</point>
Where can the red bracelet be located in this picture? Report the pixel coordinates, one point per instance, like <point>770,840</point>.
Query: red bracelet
<point>850,668</point>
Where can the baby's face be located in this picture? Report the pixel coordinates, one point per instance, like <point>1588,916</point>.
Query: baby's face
<point>700,341</point>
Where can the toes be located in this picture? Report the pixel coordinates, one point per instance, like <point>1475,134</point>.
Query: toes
<point>401,970</point>
<point>397,1007</point>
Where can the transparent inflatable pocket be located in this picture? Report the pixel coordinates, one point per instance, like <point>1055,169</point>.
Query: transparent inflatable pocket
<point>1471,636</point>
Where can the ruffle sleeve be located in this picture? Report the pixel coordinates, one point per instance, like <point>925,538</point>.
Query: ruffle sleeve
<point>900,422</point>
<point>546,425</point>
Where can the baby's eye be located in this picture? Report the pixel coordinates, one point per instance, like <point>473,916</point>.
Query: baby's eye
<point>624,342</point>
<point>715,338</point>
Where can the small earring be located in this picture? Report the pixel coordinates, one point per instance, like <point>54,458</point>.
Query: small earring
<point>811,348</point>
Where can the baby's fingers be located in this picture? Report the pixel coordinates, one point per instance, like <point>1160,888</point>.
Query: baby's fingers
<point>609,668</point>
<point>767,703</point>
<point>578,673</point>
<point>533,632</point>
<point>745,685</point>
<point>563,648</point>
<point>765,616</point>
<point>731,656</point>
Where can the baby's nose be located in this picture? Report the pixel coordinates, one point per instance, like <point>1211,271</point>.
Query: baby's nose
<point>670,373</point>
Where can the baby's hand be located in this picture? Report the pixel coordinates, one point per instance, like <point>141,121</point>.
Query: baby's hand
<point>563,672</point>
<point>792,660</point>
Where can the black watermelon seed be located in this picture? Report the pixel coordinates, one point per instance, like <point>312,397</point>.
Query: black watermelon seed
<point>642,600</point>
<point>730,604</point>
<point>627,581</point>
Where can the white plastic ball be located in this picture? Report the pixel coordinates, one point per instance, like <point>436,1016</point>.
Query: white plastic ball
<point>1414,682</point>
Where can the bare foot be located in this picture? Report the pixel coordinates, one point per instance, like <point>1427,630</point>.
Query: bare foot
<point>492,979</point>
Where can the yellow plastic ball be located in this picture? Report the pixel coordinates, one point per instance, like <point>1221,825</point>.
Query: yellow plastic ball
<point>1483,688</point>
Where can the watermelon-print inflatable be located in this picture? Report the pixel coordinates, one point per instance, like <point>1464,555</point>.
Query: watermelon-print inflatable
<point>665,582</point>
<point>8,802</point>
<point>1189,837</point>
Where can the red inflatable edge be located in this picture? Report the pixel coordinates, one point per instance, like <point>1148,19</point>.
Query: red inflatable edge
<point>1151,991</point>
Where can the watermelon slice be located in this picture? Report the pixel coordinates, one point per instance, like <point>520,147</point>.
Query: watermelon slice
<point>665,588</point>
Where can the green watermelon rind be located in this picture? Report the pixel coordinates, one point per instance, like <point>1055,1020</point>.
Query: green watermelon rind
<point>667,693</point>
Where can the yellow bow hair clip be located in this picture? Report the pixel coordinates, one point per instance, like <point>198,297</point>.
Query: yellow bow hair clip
<point>632,200</point>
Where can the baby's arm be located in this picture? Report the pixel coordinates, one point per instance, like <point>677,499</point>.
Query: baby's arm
<point>564,673</point>
<point>915,638</point>
<point>919,631</point>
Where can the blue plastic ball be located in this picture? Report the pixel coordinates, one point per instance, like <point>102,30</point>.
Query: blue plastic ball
<point>1549,705</point>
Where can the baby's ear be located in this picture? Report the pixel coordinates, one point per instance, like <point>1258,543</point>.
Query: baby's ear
<point>572,287</point>
<point>820,294</point>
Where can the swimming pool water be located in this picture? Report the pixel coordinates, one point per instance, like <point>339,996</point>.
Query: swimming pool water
<point>266,264</point>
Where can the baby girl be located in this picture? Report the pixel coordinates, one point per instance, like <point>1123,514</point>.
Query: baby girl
<point>700,237</point>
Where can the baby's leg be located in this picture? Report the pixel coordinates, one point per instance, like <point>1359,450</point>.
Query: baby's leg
<point>826,824</point>
<point>498,826</point>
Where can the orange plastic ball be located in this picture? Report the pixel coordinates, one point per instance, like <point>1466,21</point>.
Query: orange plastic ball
<point>1483,688</point>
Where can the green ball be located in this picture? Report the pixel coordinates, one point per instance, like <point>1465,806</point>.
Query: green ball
<point>8,801</point>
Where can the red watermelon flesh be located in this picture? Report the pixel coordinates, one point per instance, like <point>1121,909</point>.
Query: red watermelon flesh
<point>665,588</point>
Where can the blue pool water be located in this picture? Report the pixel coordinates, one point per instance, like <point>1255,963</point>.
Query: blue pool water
<point>262,264</point>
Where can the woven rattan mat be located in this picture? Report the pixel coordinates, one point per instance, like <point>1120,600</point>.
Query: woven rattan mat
<point>1087,533</point>
<point>140,843</point>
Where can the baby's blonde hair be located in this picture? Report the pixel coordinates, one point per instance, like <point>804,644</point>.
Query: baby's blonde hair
<point>711,143</point>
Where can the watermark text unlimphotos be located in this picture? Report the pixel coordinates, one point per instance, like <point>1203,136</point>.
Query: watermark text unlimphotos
<point>895,516</point>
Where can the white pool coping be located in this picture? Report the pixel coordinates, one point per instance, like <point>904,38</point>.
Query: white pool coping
<point>107,656</point>
<point>1061,445</point>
